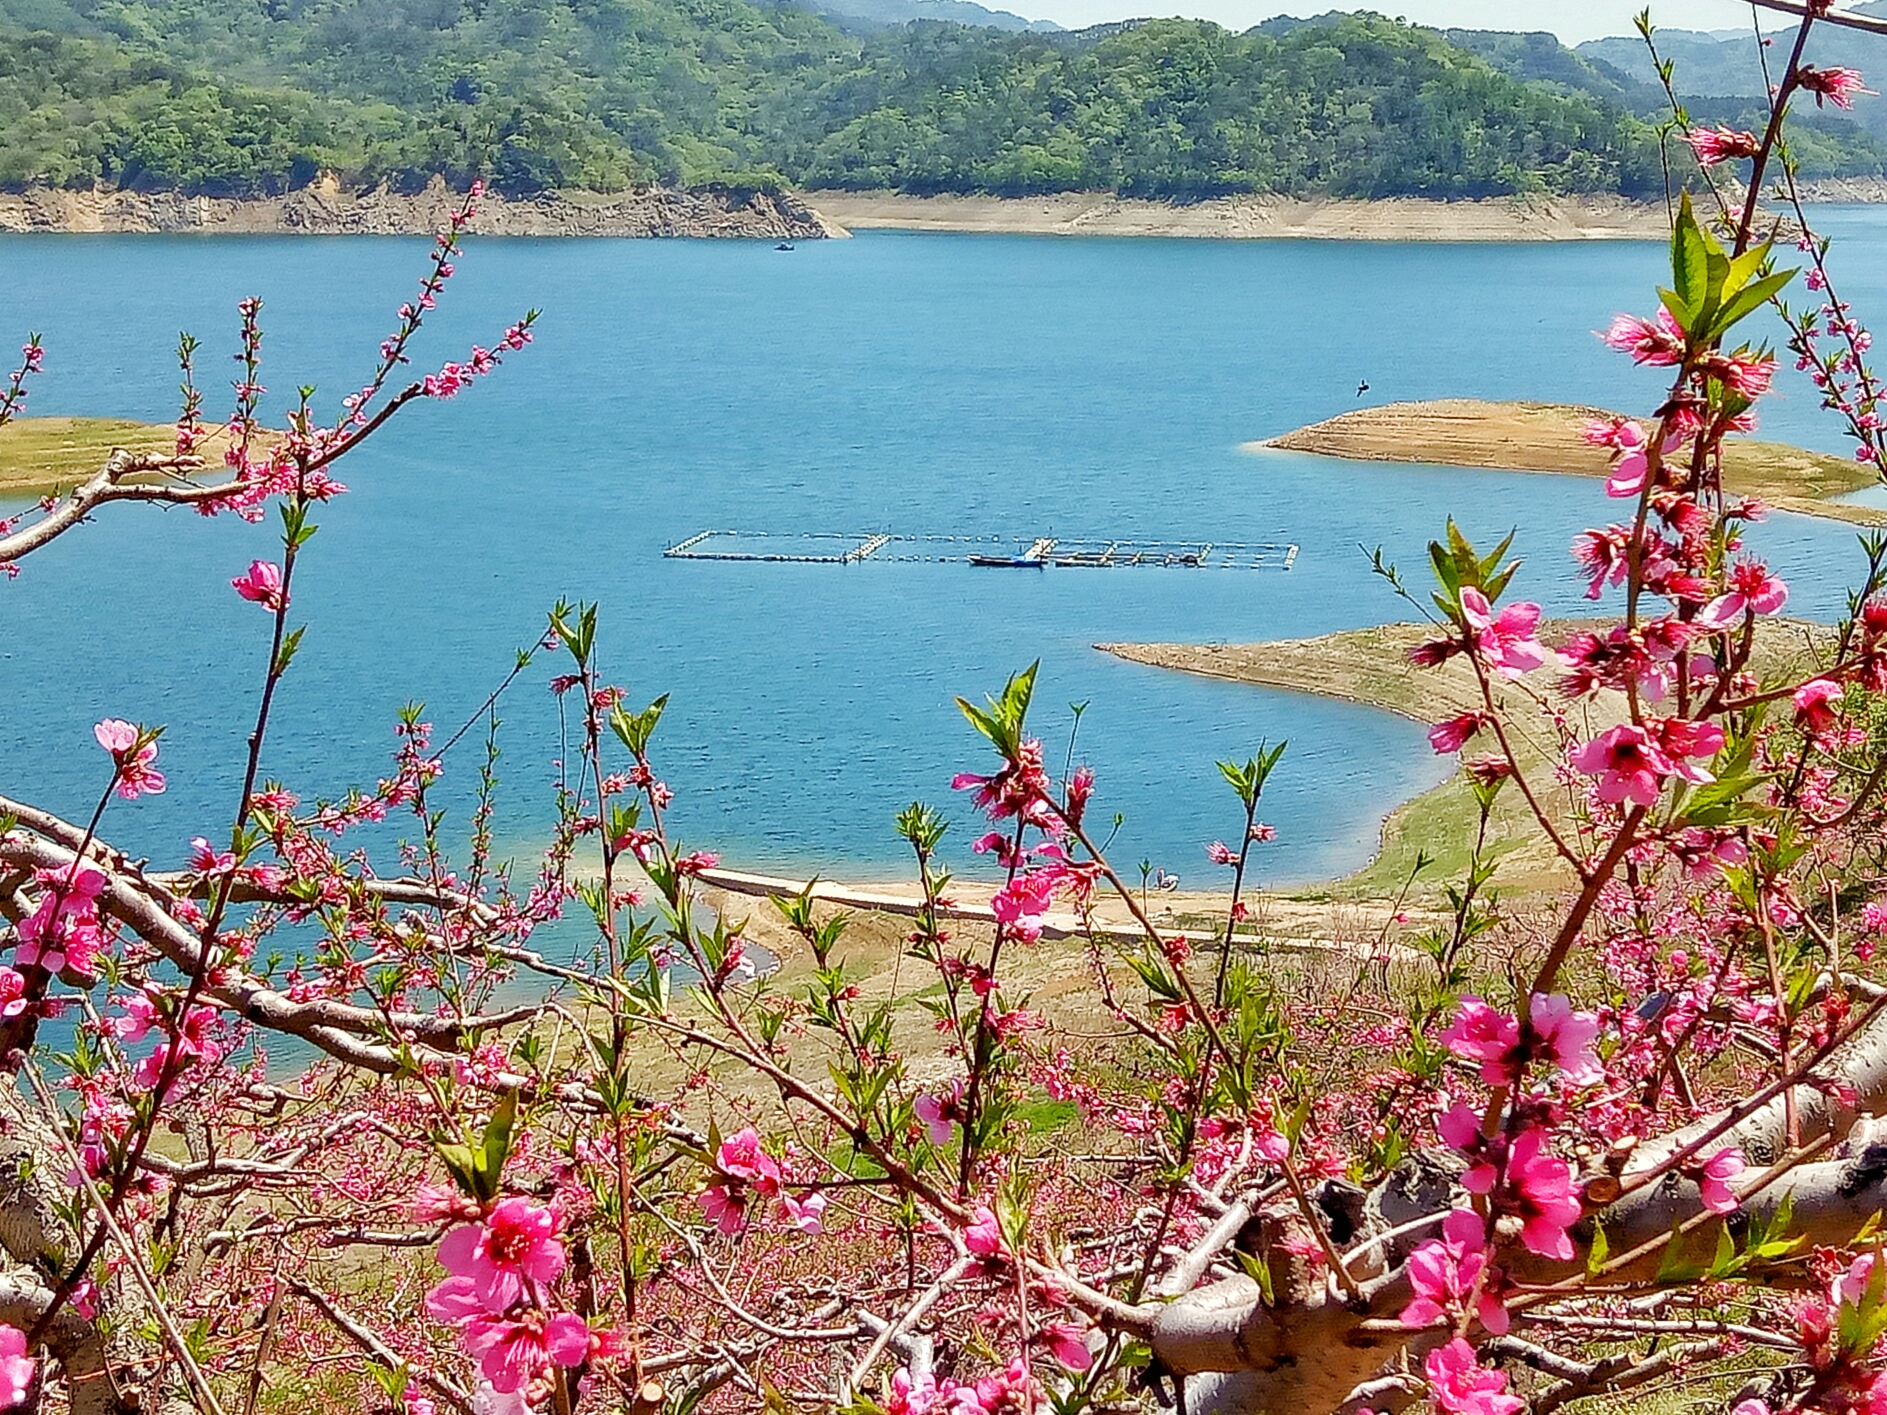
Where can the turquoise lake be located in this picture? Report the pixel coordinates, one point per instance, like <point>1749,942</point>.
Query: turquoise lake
<point>920,384</point>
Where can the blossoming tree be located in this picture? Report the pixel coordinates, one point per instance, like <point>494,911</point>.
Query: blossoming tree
<point>1513,1160</point>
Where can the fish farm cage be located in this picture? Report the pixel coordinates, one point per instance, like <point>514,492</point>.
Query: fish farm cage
<point>1003,552</point>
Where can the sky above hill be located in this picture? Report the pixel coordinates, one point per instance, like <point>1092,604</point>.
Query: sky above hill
<point>1571,20</point>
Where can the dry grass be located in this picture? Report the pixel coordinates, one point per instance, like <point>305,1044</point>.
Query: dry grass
<point>1544,437</point>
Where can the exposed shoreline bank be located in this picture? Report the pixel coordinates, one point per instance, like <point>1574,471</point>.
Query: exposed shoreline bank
<point>324,209</point>
<point>1545,437</point>
<point>1255,217</point>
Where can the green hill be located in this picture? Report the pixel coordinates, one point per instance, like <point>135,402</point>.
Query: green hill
<point>251,96</point>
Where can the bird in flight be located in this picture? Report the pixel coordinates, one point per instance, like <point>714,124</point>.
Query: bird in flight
<point>1362,388</point>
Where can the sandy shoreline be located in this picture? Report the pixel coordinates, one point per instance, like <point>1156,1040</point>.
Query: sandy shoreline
<point>1254,217</point>
<point>325,209</point>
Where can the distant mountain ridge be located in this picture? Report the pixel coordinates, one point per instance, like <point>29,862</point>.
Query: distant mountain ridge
<point>234,98</point>
<point>1719,64</point>
<point>897,12</point>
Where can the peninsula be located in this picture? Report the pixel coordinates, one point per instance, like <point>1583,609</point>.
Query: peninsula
<point>42,456</point>
<point>1545,437</point>
<point>1372,667</point>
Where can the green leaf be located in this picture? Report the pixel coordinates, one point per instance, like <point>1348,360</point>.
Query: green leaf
<point>1690,266</point>
<point>1600,1250</point>
<point>1725,1262</point>
<point>1259,1272</point>
<point>1676,1268</point>
<point>1750,299</point>
<point>496,1147</point>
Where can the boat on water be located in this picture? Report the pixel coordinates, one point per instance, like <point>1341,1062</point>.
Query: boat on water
<point>784,246</point>
<point>1008,562</point>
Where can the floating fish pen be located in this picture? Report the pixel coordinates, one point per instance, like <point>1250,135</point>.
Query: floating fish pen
<point>997,552</point>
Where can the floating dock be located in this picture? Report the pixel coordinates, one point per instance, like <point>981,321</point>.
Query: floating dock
<point>1001,552</point>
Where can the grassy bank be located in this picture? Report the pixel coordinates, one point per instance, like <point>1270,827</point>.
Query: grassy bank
<point>1372,667</point>
<point>39,456</point>
<point>1544,437</point>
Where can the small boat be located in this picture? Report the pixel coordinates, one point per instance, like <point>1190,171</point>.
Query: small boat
<point>1008,562</point>
<point>784,246</point>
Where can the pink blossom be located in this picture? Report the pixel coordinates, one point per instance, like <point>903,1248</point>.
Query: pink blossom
<point>1753,591</point>
<point>140,1015</point>
<point>1462,1386</point>
<point>516,1244</point>
<point>983,1237</point>
<point>1657,341</point>
<point>1019,789</point>
<point>206,860</point>
<point>741,1157</point>
<point>939,1113</point>
<point>723,1208</point>
<point>1003,845</point>
<point>64,930</point>
<point>16,1368</point>
<point>1629,765</point>
<point>1627,477</point>
<point>513,1353</point>
<point>453,1301</point>
<point>1568,1036</point>
<point>1272,1144</point>
<point>1480,1033</point>
<point>1022,901</point>
<point>1540,1185</point>
<point>1852,1285</point>
<point>1067,1343</point>
<point>1714,145</point>
<point>261,584</point>
<point>1506,642</point>
<point>1460,1127</point>
<point>1010,1389</point>
<point>1838,86</point>
<point>1444,1272</point>
<point>1815,704</point>
<point>1744,374</point>
<point>192,1042</point>
<point>807,1214</point>
<point>918,1395</point>
<point>136,776</point>
<point>1713,1180</point>
<point>1702,851</point>
<point>1684,740</point>
<point>1221,854</point>
<point>1452,734</point>
<point>1621,434</point>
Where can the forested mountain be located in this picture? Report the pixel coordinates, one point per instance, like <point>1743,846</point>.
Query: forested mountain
<point>245,96</point>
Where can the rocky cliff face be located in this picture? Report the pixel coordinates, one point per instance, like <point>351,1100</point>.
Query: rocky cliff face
<point>324,209</point>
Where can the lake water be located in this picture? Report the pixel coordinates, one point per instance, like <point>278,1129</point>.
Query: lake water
<point>923,384</point>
